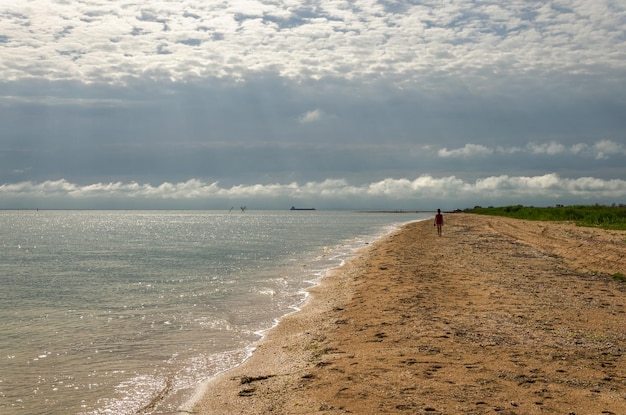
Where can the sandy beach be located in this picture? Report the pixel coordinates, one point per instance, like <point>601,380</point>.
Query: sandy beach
<point>497,316</point>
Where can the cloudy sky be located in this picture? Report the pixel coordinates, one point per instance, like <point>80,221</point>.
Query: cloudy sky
<point>408,104</point>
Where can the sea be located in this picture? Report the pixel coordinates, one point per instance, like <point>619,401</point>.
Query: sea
<point>130,312</point>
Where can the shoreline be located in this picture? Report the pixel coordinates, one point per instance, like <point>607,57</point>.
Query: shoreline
<point>499,314</point>
<point>325,295</point>
<point>347,255</point>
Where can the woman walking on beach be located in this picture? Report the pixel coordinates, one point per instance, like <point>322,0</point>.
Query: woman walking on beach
<point>439,221</point>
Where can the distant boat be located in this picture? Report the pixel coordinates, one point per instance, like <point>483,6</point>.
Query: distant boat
<point>295,208</point>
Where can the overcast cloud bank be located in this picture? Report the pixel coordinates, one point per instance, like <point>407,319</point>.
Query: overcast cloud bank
<point>341,103</point>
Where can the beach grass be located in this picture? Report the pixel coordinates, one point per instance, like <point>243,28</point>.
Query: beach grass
<point>605,217</point>
<point>619,276</point>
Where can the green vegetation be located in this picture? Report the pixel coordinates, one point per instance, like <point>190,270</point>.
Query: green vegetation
<point>619,276</point>
<point>606,217</point>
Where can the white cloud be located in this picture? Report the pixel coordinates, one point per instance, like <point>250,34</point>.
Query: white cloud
<point>605,148</point>
<point>580,148</point>
<point>424,190</point>
<point>599,150</point>
<point>550,148</point>
<point>469,150</point>
<point>97,41</point>
<point>508,150</point>
<point>521,186</point>
<point>150,91</point>
<point>311,116</point>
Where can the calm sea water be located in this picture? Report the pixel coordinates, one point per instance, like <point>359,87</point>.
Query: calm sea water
<point>105,312</point>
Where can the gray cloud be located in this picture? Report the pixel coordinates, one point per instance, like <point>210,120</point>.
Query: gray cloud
<point>367,94</point>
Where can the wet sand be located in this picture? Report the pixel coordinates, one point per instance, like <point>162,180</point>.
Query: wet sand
<point>498,316</point>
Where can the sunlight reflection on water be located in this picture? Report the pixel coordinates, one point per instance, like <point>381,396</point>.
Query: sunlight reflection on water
<point>104,310</point>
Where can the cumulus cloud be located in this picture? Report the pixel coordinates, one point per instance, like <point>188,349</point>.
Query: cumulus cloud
<point>424,191</point>
<point>601,149</point>
<point>96,41</point>
<point>606,148</point>
<point>121,93</point>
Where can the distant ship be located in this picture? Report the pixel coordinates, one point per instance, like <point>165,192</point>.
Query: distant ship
<point>295,208</point>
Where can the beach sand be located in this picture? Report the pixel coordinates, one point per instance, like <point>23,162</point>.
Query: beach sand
<point>498,316</point>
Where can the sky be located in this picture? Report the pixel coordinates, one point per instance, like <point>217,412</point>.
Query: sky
<point>362,104</point>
